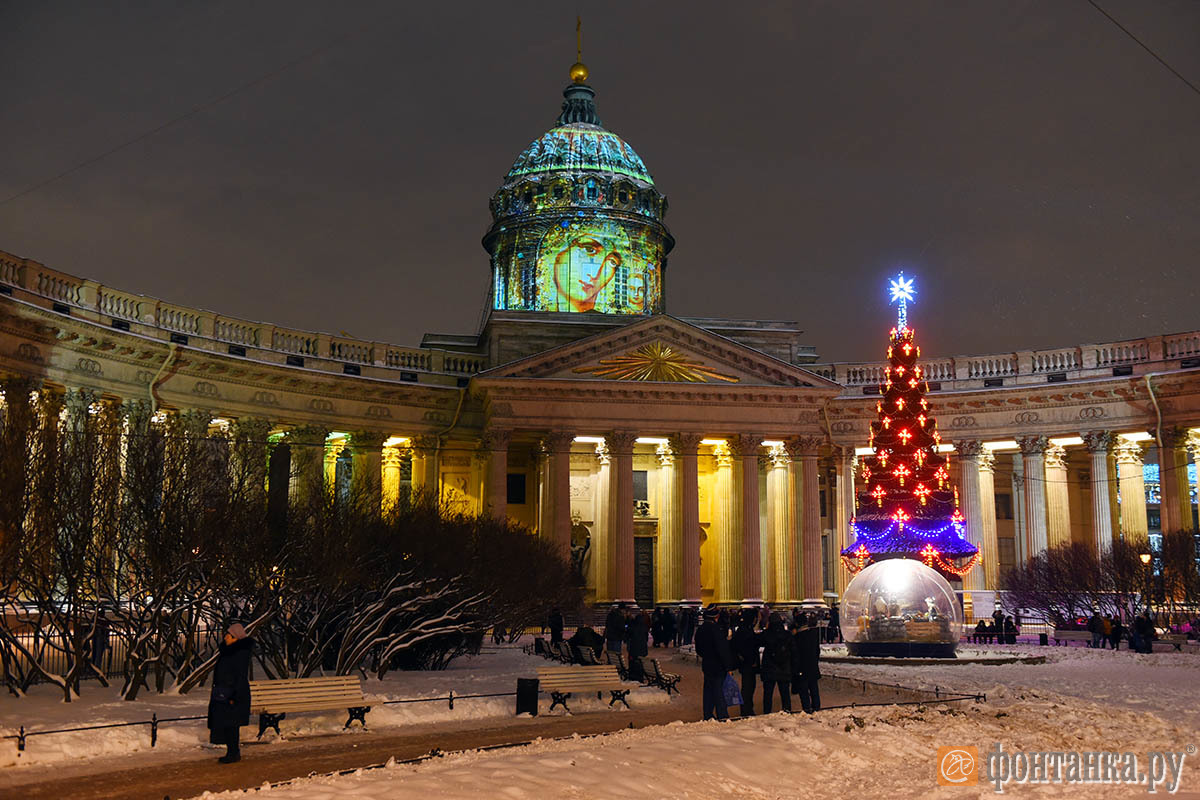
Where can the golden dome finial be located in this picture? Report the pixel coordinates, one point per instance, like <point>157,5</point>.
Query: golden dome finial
<point>579,71</point>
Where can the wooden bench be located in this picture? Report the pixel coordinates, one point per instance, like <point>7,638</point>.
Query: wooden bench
<point>586,656</point>
<point>1177,640</point>
<point>560,682</point>
<point>272,700</point>
<point>667,681</point>
<point>1071,636</point>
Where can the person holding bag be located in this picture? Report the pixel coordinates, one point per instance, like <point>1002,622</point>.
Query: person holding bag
<point>229,704</point>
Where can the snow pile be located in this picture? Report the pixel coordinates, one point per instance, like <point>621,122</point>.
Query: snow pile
<point>1164,683</point>
<point>493,671</point>
<point>849,753</point>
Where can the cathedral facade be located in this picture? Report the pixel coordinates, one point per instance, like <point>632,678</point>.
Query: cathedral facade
<point>675,460</point>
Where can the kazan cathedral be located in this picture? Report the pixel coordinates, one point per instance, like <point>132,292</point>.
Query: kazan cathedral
<point>677,460</point>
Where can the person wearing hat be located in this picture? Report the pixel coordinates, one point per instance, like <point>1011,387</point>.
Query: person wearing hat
<point>716,662</point>
<point>229,704</point>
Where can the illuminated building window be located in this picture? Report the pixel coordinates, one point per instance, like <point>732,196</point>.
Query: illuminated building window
<point>559,191</point>
<point>623,196</point>
<point>528,282</point>
<point>592,191</point>
<point>621,288</point>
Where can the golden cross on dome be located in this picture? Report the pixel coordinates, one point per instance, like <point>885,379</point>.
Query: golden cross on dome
<point>579,71</point>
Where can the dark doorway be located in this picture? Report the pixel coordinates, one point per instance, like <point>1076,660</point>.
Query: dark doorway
<point>643,571</point>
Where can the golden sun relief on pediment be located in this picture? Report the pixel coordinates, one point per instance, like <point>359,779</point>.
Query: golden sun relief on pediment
<point>658,362</point>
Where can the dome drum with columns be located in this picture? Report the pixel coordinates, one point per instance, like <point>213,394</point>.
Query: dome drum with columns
<point>676,460</point>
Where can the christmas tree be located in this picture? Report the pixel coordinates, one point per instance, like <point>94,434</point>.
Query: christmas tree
<point>909,507</point>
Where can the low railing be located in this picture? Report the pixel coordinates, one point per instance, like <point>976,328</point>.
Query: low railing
<point>1112,359</point>
<point>107,306</point>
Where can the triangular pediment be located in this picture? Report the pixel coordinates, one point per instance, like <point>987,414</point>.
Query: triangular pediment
<point>660,349</point>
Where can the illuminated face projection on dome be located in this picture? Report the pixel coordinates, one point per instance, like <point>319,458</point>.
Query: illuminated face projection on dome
<point>595,264</point>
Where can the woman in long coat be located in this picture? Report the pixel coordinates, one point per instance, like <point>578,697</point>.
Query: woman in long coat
<point>229,704</point>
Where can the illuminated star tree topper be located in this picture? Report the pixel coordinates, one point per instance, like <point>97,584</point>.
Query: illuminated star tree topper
<point>903,292</point>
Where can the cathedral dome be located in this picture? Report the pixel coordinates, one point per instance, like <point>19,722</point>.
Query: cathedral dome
<point>579,147</point>
<point>577,224</point>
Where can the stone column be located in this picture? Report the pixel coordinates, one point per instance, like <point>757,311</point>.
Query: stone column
<point>1058,503</point>
<point>544,504</point>
<point>1132,486</point>
<point>366,476</point>
<point>972,502</point>
<point>1033,457</point>
<point>1017,482</point>
<point>558,447</point>
<point>248,459</point>
<point>620,446</point>
<point>1193,444</point>
<point>602,537</point>
<point>495,444</point>
<point>306,452</point>
<point>728,525</point>
<point>781,520</point>
<point>846,509</point>
<point>688,486</point>
<point>390,489</point>
<point>747,447</point>
<point>987,532</point>
<point>668,555</point>
<point>804,449</point>
<point>1175,502</point>
<point>1098,444</point>
<point>424,467</point>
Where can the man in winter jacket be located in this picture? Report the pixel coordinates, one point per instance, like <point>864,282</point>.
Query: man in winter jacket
<point>776,666</point>
<point>614,629</point>
<point>745,653</point>
<point>229,704</point>
<point>716,662</point>
<point>806,657</point>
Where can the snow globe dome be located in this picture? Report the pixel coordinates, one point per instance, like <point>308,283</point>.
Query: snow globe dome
<point>900,608</point>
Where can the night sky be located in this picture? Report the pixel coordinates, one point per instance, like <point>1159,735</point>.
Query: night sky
<point>1036,169</point>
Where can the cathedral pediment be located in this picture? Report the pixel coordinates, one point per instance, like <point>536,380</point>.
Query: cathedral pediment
<point>659,349</point>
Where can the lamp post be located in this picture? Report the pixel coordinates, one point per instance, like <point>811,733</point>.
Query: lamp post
<point>1146,558</point>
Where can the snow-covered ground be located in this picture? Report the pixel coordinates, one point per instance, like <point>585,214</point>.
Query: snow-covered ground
<point>1080,700</point>
<point>43,709</point>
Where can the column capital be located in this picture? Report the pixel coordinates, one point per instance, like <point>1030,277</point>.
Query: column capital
<point>803,446</point>
<point>254,429</point>
<point>1098,441</point>
<point>137,412</point>
<point>987,461</point>
<point>308,434</point>
<point>778,456</point>
<point>425,442</point>
<point>665,454</point>
<point>620,443</point>
<point>558,441</point>
<point>745,445</point>
<point>1175,438</point>
<point>1193,444</point>
<point>602,454</point>
<point>968,448</point>
<point>723,454</point>
<point>1128,452</point>
<point>195,422</point>
<point>366,441</point>
<point>686,444</point>
<point>1056,457</point>
<point>490,440</point>
<point>1033,445</point>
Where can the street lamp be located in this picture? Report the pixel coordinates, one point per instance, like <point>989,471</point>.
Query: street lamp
<point>1146,557</point>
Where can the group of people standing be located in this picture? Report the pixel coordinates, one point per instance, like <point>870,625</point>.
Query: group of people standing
<point>1001,630</point>
<point>785,655</point>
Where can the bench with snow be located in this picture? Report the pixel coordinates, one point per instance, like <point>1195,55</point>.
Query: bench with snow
<point>667,681</point>
<point>1177,640</point>
<point>272,700</point>
<point>560,682</point>
<point>1060,636</point>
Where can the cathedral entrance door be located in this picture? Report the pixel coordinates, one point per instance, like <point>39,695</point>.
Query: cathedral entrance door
<point>643,571</point>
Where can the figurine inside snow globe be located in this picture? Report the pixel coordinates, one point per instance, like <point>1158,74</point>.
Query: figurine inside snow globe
<point>900,608</point>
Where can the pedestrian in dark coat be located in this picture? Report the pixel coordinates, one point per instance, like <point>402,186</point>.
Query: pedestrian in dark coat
<point>776,663</point>
<point>1010,631</point>
<point>716,662</point>
<point>614,629</point>
<point>806,654</point>
<point>834,631</point>
<point>656,627</point>
<point>585,636</point>
<point>638,635</point>
<point>670,628</point>
<point>1118,630</point>
<point>556,626</point>
<point>229,704</point>
<point>745,652</point>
